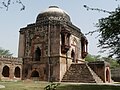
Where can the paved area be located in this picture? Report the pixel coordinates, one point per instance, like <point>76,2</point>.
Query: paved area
<point>2,86</point>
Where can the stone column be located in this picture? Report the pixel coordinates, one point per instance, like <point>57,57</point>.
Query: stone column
<point>86,46</point>
<point>21,45</point>
<point>1,70</point>
<point>11,71</point>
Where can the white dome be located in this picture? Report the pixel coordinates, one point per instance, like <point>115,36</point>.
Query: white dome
<point>53,11</point>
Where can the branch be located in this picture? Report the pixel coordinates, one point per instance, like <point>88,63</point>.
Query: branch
<point>7,3</point>
<point>23,6</point>
<point>97,9</point>
<point>91,32</point>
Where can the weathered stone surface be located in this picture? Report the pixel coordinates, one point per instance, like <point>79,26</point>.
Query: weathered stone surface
<point>10,68</point>
<point>50,45</point>
<point>80,73</point>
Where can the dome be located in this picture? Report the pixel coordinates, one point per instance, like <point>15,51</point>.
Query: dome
<point>53,13</point>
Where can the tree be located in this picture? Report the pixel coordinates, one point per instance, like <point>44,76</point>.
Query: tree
<point>92,58</point>
<point>109,32</point>
<point>89,58</point>
<point>5,52</point>
<point>7,3</point>
<point>113,63</point>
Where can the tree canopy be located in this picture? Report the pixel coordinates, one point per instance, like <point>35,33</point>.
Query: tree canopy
<point>5,52</point>
<point>109,32</point>
<point>91,58</point>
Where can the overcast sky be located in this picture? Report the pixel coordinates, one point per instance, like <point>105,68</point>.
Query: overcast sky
<point>12,20</point>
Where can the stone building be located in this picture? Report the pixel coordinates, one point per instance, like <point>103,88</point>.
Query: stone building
<point>53,49</point>
<point>10,68</point>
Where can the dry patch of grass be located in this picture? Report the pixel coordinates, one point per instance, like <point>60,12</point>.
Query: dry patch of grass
<point>24,85</point>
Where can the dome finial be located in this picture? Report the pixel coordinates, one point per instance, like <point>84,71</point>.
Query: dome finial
<point>53,7</point>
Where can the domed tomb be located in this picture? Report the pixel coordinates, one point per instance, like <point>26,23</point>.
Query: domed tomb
<point>53,13</point>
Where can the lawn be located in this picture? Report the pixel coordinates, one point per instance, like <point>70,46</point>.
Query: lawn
<point>23,85</point>
<point>88,87</point>
<point>35,85</point>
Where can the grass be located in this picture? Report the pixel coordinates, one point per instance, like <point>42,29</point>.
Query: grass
<point>32,85</point>
<point>88,87</point>
<point>35,85</point>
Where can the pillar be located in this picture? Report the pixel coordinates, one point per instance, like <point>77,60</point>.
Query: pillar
<point>21,45</point>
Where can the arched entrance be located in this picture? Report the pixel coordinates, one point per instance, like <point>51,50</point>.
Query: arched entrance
<point>107,75</point>
<point>17,72</point>
<point>5,71</point>
<point>35,75</point>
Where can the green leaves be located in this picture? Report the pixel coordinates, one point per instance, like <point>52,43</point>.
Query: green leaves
<point>109,33</point>
<point>5,52</point>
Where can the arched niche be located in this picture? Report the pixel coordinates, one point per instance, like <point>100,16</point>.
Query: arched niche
<point>17,72</point>
<point>73,55</point>
<point>5,71</point>
<point>37,54</point>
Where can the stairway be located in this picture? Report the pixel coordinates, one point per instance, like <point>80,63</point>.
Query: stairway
<point>80,73</point>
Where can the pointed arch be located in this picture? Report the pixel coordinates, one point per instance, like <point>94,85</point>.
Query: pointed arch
<point>6,71</point>
<point>35,74</point>
<point>37,54</point>
<point>107,75</point>
<point>73,55</point>
<point>17,72</point>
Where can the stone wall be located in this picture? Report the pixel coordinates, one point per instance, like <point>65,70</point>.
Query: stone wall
<point>102,69</point>
<point>10,68</point>
<point>115,74</point>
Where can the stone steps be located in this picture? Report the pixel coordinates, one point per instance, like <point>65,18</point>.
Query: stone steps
<point>79,73</point>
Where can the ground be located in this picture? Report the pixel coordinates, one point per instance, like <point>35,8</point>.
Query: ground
<point>37,85</point>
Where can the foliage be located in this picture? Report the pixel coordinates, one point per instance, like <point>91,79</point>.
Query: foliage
<point>91,58</point>
<point>113,63</point>
<point>7,3</point>
<point>5,52</point>
<point>109,37</point>
<point>109,32</point>
<point>52,86</point>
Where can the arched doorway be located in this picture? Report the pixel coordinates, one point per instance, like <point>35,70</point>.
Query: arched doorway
<point>35,75</point>
<point>5,71</point>
<point>37,54</point>
<point>107,76</point>
<point>17,72</point>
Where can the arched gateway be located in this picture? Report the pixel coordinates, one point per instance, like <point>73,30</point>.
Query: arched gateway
<point>35,75</point>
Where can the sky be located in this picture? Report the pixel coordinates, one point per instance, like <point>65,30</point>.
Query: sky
<point>12,20</point>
